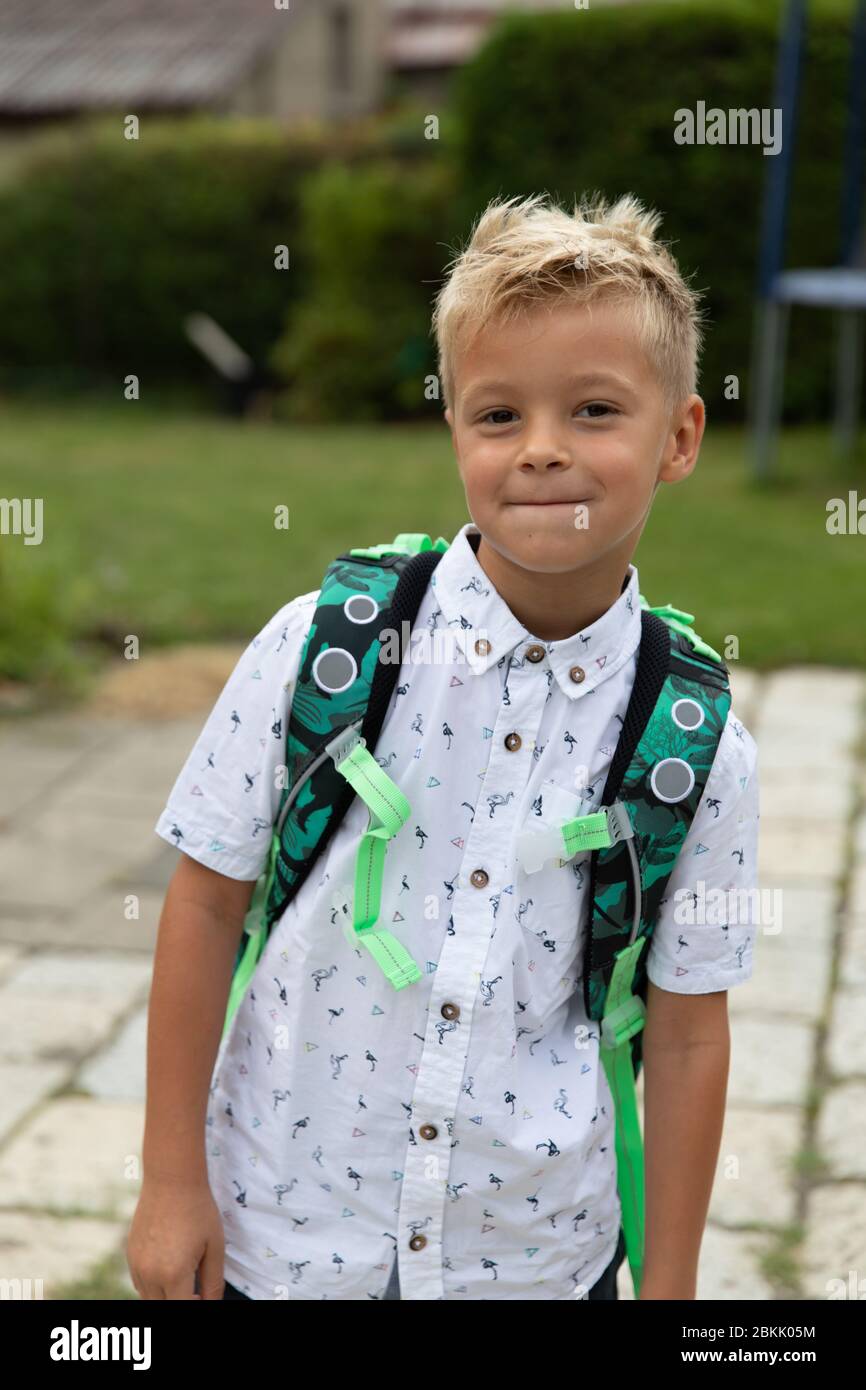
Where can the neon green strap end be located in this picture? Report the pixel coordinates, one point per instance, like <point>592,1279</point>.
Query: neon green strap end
<point>585,833</point>
<point>681,621</point>
<point>407,543</point>
<point>624,1016</point>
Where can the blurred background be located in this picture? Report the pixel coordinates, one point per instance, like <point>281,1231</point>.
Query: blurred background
<point>222,225</point>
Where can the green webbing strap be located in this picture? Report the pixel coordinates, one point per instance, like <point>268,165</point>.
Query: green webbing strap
<point>389,807</point>
<point>586,832</point>
<point>536,847</point>
<point>408,542</point>
<point>680,621</point>
<point>623,1017</point>
<point>254,928</point>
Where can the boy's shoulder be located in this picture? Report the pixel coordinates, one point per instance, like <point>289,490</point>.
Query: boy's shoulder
<point>737,745</point>
<point>296,614</point>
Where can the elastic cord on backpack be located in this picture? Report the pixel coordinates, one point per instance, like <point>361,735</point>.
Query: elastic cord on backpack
<point>389,811</point>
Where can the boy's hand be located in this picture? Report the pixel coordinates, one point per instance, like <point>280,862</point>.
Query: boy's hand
<point>176,1231</point>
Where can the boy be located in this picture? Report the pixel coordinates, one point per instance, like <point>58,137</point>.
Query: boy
<point>454,1139</point>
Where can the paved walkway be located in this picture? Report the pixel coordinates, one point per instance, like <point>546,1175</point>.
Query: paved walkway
<point>82,878</point>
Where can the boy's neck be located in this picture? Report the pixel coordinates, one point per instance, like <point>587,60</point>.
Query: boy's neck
<point>553,607</point>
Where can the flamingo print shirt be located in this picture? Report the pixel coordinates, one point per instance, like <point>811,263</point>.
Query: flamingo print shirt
<point>462,1125</point>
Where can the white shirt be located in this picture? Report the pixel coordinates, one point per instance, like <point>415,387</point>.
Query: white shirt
<point>328,1074</point>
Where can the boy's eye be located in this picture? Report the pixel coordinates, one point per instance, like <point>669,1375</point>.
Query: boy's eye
<point>598,410</point>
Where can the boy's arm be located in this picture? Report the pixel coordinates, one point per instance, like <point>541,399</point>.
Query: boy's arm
<point>686,1054</point>
<point>218,813</point>
<point>199,931</point>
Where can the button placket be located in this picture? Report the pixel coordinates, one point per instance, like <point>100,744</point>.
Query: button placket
<point>455,992</point>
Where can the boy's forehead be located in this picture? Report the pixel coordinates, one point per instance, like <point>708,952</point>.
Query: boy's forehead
<point>578,335</point>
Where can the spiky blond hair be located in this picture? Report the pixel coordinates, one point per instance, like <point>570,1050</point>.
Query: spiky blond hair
<point>524,252</point>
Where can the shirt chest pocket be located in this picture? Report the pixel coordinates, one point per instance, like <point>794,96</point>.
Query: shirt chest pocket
<point>551,897</point>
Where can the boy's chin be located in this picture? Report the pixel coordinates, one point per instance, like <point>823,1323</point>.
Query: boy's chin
<point>547,549</point>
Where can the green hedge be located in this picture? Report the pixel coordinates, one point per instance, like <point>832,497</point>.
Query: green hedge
<point>585,100</point>
<point>357,346</point>
<point>107,244</point>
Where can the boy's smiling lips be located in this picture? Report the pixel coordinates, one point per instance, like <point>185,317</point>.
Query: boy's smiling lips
<point>579,501</point>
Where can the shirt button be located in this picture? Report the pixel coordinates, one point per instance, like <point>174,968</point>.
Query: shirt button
<point>479,878</point>
<point>428,1131</point>
<point>417,1242</point>
<point>577,674</point>
<point>513,742</point>
<point>450,1011</point>
<point>535,653</point>
<point>482,646</point>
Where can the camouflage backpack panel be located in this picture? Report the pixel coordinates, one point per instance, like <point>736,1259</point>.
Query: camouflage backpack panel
<point>335,676</point>
<point>663,786</point>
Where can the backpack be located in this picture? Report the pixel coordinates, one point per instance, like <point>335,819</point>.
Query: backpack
<point>674,720</point>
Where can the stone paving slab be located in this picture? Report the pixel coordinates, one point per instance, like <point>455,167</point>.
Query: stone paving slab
<point>103,921</point>
<point>728,1267</point>
<point>25,928</point>
<point>790,849</point>
<point>857,899</point>
<point>76,1155</point>
<point>144,765</point>
<point>54,1029</point>
<point>23,1086</point>
<point>35,1247</point>
<point>785,983</point>
<point>754,1178</point>
<point>834,1251</point>
<point>791,796</point>
<point>82,974</point>
<point>152,873</point>
<point>9,957</point>
<point>852,967</point>
<point>846,1050</point>
<point>771,1061</point>
<point>30,882</point>
<point>804,910</point>
<point>841,1132</point>
<point>86,850</point>
<point>118,1070</point>
<point>56,1007</point>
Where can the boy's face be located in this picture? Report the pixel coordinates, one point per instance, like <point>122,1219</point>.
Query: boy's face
<point>562,408</point>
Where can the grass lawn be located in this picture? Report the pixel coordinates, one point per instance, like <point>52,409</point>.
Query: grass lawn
<point>161,524</point>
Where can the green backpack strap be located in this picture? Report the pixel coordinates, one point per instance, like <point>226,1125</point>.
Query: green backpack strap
<point>339,703</point>
<point>675,718</point>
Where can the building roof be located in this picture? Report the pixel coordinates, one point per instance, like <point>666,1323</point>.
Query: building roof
<point>61,55</point>
<point>430,34</point>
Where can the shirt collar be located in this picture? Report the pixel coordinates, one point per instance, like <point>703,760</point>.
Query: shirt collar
<point>476,613</point>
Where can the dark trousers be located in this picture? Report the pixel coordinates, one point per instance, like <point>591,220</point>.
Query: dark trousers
<point>604,1288</point>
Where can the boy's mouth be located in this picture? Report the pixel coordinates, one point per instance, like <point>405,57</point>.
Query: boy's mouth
<point>579,501</point>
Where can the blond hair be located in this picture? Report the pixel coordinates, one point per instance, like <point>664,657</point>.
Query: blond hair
<point>526,251</point>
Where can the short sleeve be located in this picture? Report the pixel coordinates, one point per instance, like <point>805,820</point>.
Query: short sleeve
<point>225,800</point>
<point>704,937</point>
